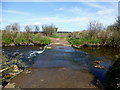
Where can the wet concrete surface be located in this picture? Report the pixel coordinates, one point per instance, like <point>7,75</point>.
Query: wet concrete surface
<point>54,78</point>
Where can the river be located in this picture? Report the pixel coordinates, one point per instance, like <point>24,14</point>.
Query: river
<point>67,57</point>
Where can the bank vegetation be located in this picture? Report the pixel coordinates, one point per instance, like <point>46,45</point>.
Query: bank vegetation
<point>12,36</point>
<point>97,35</point>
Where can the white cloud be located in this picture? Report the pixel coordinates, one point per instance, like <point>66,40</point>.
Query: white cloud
<point>103,12</point>
<point>23,25</point>
<point>7,21</point>
<point>15,12</point>
<point>95,5</point>
<point>105,9</point>
<point>61,9</point>
<point>37,23</point>
<point>71,9</point>
<point>74,10</point>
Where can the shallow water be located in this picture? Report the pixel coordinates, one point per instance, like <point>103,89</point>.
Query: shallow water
<point>64,56</point>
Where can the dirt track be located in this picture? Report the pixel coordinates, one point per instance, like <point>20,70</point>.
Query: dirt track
<point>59,41</point>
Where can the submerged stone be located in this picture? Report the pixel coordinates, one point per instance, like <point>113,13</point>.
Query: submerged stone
<point>98,66</point>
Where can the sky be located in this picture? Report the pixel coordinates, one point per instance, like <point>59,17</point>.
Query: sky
<point>67,16</point>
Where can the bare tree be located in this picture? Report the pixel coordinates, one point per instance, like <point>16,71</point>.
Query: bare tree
<point>8,27</point>
<point>111,28</point>
<point>15,27</point>
<point>37,29</point>
<point>117,24</point>
<point>49,29</point>
<point>94,27</point>
<point>28,28</point>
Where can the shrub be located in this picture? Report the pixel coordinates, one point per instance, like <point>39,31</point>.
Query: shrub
<point>40,39</point>
<point>97,35</point>
<point>94,27</point>
<point>82,41</point>
<point>49,30</point>
<point>7,37</point>
<point>20,39</point>
<point>113,76</point>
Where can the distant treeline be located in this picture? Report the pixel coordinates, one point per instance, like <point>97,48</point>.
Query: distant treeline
<point>12,36</point>
<point>57,32</point>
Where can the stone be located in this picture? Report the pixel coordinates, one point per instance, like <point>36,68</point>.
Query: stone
<point>27,71</point>
<point>58,39</point>
<point>49,47</point>
<point>12,44</point>
<point>97,62</point>
<point>41,80</point>
<point>1,87</point>
<point>15,68</point>
<point>98,66</point>
<point>76,46</point>
<point>10,85</point>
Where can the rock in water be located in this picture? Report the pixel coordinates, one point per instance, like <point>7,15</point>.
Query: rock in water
<point>98,66</point>
<point>15,54</point>
<point>97,62</point>
<point>49,47</point>
<point>15,68</point>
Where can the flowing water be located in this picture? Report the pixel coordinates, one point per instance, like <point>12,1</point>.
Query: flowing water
<point>64,56</point>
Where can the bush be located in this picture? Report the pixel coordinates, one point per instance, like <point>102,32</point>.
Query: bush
<point>97,35</point>
<point>94,27</point>
<point>20,39</point>
<point>113,76</point>
<point>81,38</point>
<point>40,39</point>
<point>9,37</point>
<point>49,30</point>
<point>82,41</point>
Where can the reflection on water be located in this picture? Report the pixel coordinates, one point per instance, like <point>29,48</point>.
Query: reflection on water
<point>63,56</point>
<point>102,51</point>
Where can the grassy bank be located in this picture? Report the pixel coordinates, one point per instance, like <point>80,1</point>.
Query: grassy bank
<point>84,41</point>
<point>12,38</point>
<point>97,36</point>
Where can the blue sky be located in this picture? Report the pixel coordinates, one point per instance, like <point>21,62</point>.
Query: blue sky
<point>67,16</point>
